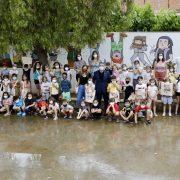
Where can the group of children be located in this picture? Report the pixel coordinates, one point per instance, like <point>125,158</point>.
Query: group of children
<point>133,92</point>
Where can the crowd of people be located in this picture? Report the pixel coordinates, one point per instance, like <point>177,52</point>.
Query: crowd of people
<point>115,91</point>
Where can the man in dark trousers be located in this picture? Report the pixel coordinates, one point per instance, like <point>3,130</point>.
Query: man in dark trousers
<point>101,79</point>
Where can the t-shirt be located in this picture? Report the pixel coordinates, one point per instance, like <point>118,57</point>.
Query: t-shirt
<point>141,108</point>
<point>152,91</point>
<point>115,105</point>
<point>141,90</point>
<point>54,88</point>
<point>54,106</point>
<point>128,91</point>
<point>29,101</point>
<point>45,87</point>
<point>84,79</point>
<point>27,73</point>
<point>12,71</point>
<point>178,86</point>
<point>68,107</point>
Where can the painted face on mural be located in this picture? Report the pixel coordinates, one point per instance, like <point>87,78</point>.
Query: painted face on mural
<point>117,57</point>
<point>163,44</point>
<point>138,42</point>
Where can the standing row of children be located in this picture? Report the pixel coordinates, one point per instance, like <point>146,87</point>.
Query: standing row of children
<point>139,87</point>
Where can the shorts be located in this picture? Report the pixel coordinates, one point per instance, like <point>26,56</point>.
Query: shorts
<point>177,93</point>
<point>66,95</point>
<point>36,81</point>
<point>167,99</point>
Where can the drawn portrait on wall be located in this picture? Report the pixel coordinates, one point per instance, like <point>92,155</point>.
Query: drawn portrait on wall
<point>163,46</point>
<point>140,47</point>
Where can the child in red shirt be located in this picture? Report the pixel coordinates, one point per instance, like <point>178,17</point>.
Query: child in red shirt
<point>113,110</point>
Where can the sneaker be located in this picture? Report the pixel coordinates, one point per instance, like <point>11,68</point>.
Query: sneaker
<point>23,114</point>
<point>45,117</point>
<point>155,115</point>
<point>170,114</point>
<point>19,113</point>
<point>65,117</point>
<point>148,122</point>
<point>55,118</point>
<point>7,114</point>
<point>70,117</point>
<point>117,120</point>
<point>164,114</point>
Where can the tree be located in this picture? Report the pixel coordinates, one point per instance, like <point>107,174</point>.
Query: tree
<point>43,25</point>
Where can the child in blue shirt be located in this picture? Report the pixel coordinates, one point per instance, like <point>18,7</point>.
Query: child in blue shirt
<point>18,105</point>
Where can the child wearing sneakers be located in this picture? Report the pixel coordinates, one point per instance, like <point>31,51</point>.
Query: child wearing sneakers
<point>167,92</point>
<point>66,109</point>
<point>18,105</point>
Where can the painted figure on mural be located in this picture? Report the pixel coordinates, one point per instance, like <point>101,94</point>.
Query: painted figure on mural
<point>163,46</point>
<point>140,47</point>
<point>117,48</point>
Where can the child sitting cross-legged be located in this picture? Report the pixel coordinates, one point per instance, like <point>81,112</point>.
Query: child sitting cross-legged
<point>127,113</point>
<point>18,105</point>
<point>96,110</point>
<point>112,110</point>
<point>84,111</point>
<point>66,109</point>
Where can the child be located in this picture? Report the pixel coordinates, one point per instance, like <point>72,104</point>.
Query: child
<point>53,108</point>
<point>127,113</point>
<point>152,92</point>
<point>15,85</point>
<point>45,88</point>
<point>96,110</point>
<point>143,110</point>
<point>5,71</point>
<point>6,104</point>
<point>13,71</point>
<point>18,105</point>
<point>68,72</point>
<point>37,75</point>
<point>166,95</point>
<point>83,111</point>
<point>30,104</point>
<point>47,73</point>
<point>54,88</point>
<point>24,86</point>
<point>66,109</point>
<point>112,110</point>
<point>27,71</point>
<point>128,88</point>
<point>141,89</point>
<point>147,74</point>
<point>6,84</point>
<point>57,73</point>
<point>114,89</point>
<point>171,73</point>
<point>66,87</point>
<point>42,106</point>
<point>124,74</point>
<point>1,90</point>
<point>177,94</point>
<point>90,91</point>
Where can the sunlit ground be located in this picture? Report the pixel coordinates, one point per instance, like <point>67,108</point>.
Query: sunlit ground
<point>33,148</point>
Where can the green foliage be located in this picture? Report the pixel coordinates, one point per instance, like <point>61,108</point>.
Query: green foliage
<point>142,18</point>
<point>56,23</point>
<point>167,20</point>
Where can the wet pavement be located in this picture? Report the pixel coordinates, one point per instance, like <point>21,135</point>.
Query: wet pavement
<point>33,149</point>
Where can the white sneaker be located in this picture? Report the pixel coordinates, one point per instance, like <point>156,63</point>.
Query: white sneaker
<point>155,115</point>
<point>170,114</point>
<point>55,119</point>
<point>164,114</point>
<point>7,114</point>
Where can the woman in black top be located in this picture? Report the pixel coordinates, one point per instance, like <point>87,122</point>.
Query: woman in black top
<point>82,80</point>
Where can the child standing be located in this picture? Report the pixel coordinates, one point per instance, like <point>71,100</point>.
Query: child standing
<point>128,88</point>
<point>54,88</point>
<point>152,94</point>
<point>6,84</point>
<point>57,73</point>
<point>114,90</point>
<point>24,86</point>
<point>15,85</point>
<point>66,87</point>
<point>177,94</point>
<point>27,72</point>
<point>66,109</point>
<point>90,91</point>
<point>166,95</point>
<point>147,74</point>
<point>68,72</point>
<point>45,88</point>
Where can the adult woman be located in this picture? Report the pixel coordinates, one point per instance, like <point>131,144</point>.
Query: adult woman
<point>82,80</point>
<point>160,69</point>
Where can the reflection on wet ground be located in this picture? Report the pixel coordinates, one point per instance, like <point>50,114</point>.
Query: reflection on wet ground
<point>69,149</point>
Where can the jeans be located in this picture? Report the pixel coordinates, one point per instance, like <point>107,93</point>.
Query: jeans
<point>80,94</point>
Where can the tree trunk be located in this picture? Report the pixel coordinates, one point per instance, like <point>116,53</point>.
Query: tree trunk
<point>42,55</point>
